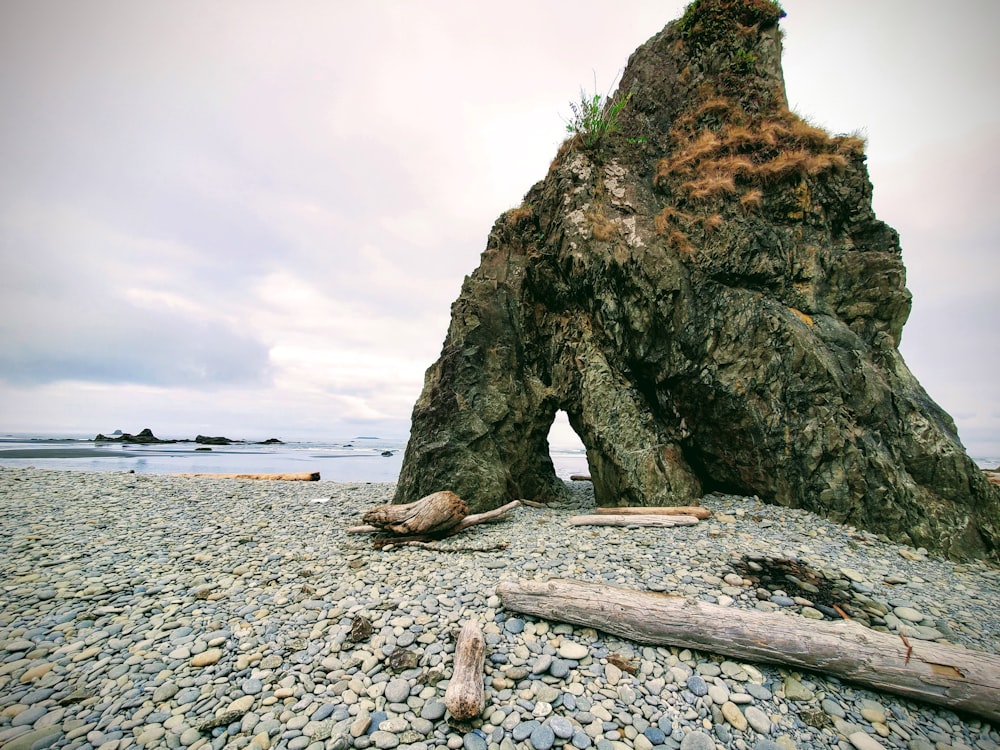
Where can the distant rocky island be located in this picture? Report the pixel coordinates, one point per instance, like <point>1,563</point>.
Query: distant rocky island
<point>146,436</point>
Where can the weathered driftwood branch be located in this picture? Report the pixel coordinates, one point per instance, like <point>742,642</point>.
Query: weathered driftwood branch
<point>466,695</point>
<point>647,520</point>
<point>302,476</point>
<point>436,512</point>
<point>486,517</point>
<point>937,673</point>
<point>670,510</point>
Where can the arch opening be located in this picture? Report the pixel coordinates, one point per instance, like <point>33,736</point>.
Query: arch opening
<point>566,449</point>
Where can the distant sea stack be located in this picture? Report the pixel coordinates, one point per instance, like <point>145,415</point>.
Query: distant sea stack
<point>144,436</point>
<point>701,284</point>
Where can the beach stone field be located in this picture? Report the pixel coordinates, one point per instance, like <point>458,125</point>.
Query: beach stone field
<point>151,611</point>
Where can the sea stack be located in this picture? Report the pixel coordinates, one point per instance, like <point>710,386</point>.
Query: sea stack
<point>703,287</point>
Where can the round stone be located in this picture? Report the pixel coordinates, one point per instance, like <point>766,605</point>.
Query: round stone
<point>559,668</point>
<point>542,664</point>
<point>863,741</point>
<point>164,692</point>
<point>908,613</point>
<point>697,741</point>
<point>718,692</point>
<point>561,727</point>
<point>514,625</point>
<point>573,650</point>
<point>433,710</point>
<point>696,684</point>
<point>873,714</point>
<point>384,740</point>
<point>732,714</point>
<point>397,691</point>
<point>546,693</point>
<point>796,691</point>
<point>206,657</point>
<point>524,730</point>
<point>474,741</point>
<point>758,720</point>
<point>542,738</point>
<point>655,735</point>
<point>29,716</point>
<point>832,708</point>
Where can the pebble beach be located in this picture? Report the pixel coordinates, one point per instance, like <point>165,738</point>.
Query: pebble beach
<point>154,611</point>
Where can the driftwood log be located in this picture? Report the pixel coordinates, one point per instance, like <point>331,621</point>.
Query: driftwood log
<point>466,695</point>
<point>301,476</point>
<point>435,513</point>
<point>634,520</point>
<point>472,520</point>
<point>669,510</point>
<point>937,673</point>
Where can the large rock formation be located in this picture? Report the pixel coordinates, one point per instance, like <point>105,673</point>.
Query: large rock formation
<point>708,295</point>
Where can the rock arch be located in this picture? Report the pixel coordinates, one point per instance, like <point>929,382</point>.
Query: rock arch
<point>709,296</point>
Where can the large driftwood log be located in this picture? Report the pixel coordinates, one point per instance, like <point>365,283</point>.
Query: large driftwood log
<point>301,476</point>
<point>466,695</point>
<point>938,673</point>
<point>636,520</point>
<point>472,520</point>
<point>669,510</point>
<point>432,514</point>
<point>423,539</point>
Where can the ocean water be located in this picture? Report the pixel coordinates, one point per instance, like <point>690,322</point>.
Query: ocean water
<point>360,459</point>
<point>363,459</point>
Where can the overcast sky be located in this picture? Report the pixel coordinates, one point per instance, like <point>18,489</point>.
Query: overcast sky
<point>251,218</point>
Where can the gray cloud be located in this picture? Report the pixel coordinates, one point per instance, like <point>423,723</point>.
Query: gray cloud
<point>108,341</point>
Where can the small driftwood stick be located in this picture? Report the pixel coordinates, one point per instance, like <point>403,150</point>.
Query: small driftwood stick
<point>434,513</point>
<point>938,673</point>
<point>673,510</point>
<point>486,517</point>
<point>466,696</point>
<point>647,520</point>
<point>302,476</point>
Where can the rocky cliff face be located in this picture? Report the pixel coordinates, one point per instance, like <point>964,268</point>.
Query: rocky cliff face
<point>708,295</point>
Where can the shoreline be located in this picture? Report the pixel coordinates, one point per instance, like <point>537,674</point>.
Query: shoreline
<point>139,608</point>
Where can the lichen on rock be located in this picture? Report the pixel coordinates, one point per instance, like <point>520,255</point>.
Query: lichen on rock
<point>710,298</point>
